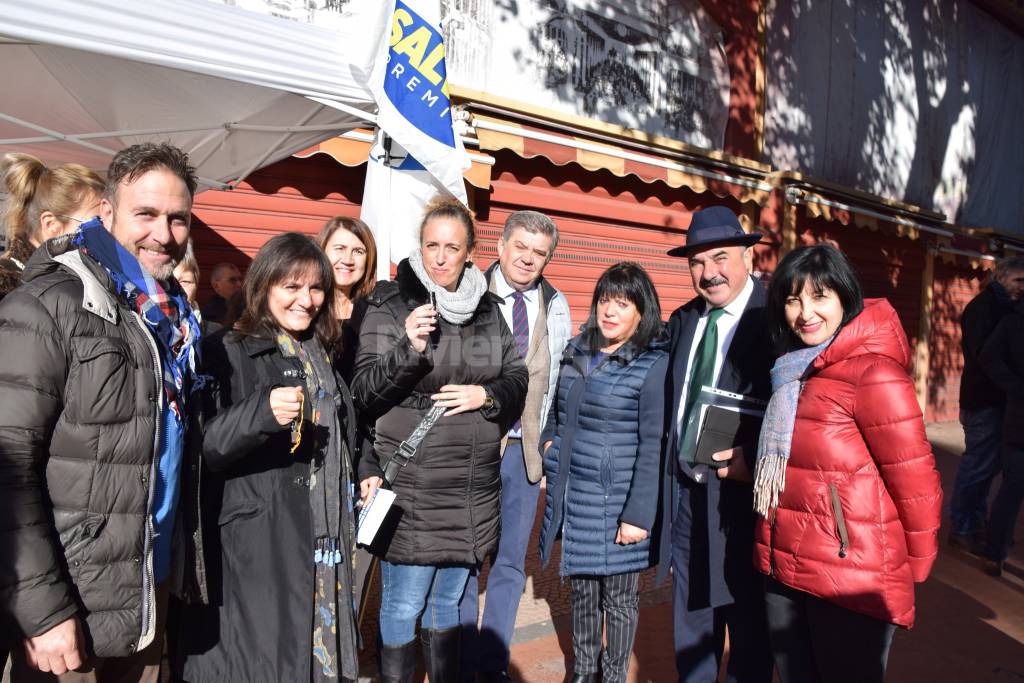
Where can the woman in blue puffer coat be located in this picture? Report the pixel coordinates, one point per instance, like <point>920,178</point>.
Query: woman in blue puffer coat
<point>602,452</point>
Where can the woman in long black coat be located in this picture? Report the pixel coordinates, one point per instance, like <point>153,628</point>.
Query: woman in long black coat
<point>278,497</point>
<point>462,356</point>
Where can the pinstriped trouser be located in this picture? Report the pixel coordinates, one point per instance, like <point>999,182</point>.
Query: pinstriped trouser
<point>599,601</point>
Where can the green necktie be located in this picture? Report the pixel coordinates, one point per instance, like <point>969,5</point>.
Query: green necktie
<point>703,361</point>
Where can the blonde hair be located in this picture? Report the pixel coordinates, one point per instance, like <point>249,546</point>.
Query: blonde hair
<point>188,261</point>
<point>33,188</point>
<point>446,207</point>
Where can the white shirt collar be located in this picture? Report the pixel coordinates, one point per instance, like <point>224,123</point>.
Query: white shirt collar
<point>739,304</point>
<point>503,289</point>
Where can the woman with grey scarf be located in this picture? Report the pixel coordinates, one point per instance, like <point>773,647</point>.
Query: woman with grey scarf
<point>845,487</point>
<point>459,355</point>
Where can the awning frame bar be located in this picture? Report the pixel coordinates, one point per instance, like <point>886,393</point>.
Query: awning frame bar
<point>360,136</point>
<point>620,154</point>
<point>797,196</point>
<point>964,252</point>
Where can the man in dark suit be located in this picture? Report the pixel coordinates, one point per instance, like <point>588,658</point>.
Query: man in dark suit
<point>718,339</point>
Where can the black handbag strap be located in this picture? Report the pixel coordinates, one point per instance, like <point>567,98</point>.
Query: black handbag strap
<point>406,450</point>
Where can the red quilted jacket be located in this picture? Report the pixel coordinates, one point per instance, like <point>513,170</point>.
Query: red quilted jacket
<point>858,520</point>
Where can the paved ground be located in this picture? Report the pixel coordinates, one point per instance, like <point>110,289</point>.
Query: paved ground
<point>970,627</point>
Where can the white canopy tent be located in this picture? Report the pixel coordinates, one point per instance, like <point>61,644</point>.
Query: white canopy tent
<point>82,79</point>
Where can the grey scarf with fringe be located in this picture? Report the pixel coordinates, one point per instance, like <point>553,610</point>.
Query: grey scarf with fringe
<point>777,429</point>
<point>456,307</point>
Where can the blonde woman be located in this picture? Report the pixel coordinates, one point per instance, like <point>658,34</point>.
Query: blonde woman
<point>41,203</point>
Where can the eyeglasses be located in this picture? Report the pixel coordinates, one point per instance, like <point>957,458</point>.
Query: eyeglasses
<point>72,218</point>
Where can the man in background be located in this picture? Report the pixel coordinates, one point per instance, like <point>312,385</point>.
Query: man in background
<point>225,281</point>
<point>982,404</point>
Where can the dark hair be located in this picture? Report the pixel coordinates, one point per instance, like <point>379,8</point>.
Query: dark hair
<point>443,207</point>
<point>629,281</point>
<point>132,162</point>
<point>362,231</point>
<point>280,258</point>
<point>825,267</point>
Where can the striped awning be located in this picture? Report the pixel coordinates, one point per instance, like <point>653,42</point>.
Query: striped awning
<point>353,149</point>
<point>648,164</point>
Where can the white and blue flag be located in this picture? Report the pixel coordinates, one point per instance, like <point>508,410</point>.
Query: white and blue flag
<point>423,156</point>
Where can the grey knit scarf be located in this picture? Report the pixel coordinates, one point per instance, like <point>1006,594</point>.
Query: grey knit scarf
<point>456,307</point>
<point>777,428</point>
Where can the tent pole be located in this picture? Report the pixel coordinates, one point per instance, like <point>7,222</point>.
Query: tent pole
<point>213,148</point>
<point>345,108</point>
<point>55,135</point>
<point>259,162</point>
<point>105,134</point>
<point>287,129</point>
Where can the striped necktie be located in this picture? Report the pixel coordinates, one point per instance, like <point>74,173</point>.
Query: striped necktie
<point>520,323</point>
<point>520,332</point>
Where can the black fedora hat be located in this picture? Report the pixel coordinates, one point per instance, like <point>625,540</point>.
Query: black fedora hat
<point>714,225</point>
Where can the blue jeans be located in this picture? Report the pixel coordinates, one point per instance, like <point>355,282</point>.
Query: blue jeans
<point>488,650</point>
<point>979,465</point>
<point>409,590</point>
<point>1007,504</point>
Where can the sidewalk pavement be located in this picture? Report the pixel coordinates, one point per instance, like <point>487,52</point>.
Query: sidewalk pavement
<point>970,626</point>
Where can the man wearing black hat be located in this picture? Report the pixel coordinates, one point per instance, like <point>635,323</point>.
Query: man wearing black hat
<point>719,339</point>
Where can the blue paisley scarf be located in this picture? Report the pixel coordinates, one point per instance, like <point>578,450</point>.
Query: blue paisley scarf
<point>165,311</point>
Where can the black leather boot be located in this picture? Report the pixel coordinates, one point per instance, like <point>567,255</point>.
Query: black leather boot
<point>441,654</point>
<point>398,663</point>
<point>584,678</point>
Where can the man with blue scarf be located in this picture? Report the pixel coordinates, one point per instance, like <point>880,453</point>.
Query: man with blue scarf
<point>98,366</point>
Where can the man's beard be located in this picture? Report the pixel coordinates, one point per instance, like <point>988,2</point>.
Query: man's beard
<point>161,273</point>
<point>164,273</point>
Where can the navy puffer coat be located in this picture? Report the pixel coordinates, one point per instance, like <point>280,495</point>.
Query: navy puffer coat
<point>603,465</point>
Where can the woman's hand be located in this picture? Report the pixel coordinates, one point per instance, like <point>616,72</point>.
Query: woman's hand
<point>460,398</point>
<point>368,489</point>
<point>629,534</point>
<point>547,445</point>
<point>418,326</point>
<point>286,403</point>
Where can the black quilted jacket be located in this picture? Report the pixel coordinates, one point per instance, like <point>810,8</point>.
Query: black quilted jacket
<point>449,494</point>
<point>78,423</point>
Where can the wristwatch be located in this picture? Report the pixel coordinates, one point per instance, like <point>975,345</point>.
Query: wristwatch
<point>488,401</point>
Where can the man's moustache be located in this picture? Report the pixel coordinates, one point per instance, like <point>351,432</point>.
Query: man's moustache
<point>704,284</point>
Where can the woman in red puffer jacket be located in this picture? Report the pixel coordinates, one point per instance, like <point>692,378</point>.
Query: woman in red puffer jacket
<point>845,484</point>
